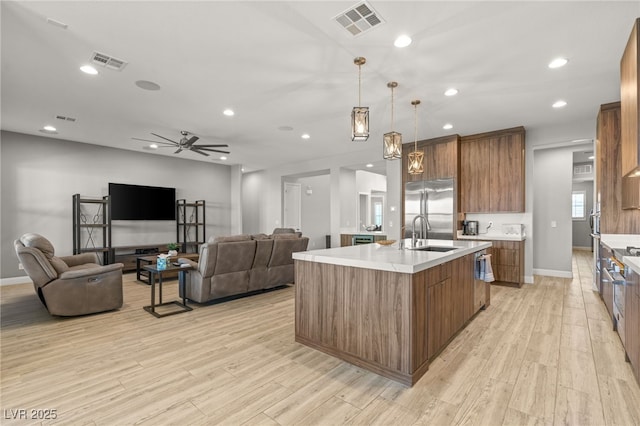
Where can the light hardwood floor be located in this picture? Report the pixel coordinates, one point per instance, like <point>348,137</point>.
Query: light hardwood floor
<point>541,354</point>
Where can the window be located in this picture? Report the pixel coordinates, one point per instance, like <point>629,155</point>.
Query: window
<point>578,205</point>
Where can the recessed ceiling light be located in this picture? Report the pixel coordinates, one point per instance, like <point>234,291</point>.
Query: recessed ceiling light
<point>448,126</point>
<point>558,62</point>
<point>451,92</point>
<point>223,158</point>
<point>402,41</point>
<point>49,128</point>
<point>153,146</point>
<point>147,85</point>
<point>88,69</point>
<point>369,165</point>
<point>305,136</point>
<point>559,104</point>
<point>592,157</point>
<point>228,112</point>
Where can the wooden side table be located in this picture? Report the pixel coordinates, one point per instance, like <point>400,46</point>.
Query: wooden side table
<point>153,271</point>
<point>144,276</point>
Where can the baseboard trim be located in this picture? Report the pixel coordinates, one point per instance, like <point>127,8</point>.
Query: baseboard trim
<point>15,280</point>
<point>553,273</point>
<point>528,279</point>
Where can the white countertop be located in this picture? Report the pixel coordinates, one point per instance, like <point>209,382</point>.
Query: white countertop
<point>390,258</point>
<point>633,262</point>
<point>617,241</point>
<point>492,237</point>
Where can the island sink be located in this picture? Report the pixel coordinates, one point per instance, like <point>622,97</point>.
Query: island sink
<point>433,248</point>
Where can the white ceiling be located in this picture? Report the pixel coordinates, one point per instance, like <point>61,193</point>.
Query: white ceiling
<point>287,63</point>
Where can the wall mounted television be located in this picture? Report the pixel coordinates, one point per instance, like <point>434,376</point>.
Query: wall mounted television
<point>136,202</point>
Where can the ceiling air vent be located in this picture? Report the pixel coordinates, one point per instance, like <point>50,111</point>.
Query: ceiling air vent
<point>64,118</point>
<point>583,169</point>
<point>108,61</point>
<point>359,19</point>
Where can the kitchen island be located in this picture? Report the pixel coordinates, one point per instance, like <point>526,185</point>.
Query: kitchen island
<point>386,309</point>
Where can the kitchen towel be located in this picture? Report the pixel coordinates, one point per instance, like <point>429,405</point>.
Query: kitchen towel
<point>484,271</point>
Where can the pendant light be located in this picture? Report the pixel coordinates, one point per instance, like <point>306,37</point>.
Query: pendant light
<point>392,142</point>
<point>360,114</point>
<point>416,158</point>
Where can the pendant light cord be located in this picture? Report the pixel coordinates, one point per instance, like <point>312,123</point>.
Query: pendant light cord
<point>415,121</point>
<point>359,78</point>
<point>392,108</point>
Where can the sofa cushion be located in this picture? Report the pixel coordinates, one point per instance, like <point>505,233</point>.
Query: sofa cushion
<point>39,242</point>
<point>259,236</point>
<point>59,265</point>
<point>232,238</point>
<point>234,256</point>
<point>285,236</point>
<point>284,231</point>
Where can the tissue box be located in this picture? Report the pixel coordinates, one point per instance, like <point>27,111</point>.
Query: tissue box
<point>162,262</point>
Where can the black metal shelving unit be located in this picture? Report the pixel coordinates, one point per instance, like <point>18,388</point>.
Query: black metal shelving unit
<point>190,225</point>
<point>92,226</point>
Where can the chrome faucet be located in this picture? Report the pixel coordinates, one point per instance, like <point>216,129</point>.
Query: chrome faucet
<point>413,227</point>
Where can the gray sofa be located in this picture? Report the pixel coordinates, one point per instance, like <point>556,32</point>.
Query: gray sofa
<point>69,285</point>
<point>241,264</point>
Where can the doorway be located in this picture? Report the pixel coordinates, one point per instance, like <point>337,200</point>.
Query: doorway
<point>292,210</point>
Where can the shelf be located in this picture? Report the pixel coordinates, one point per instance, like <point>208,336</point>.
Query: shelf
<point>94,250</point>
<point>93,225</point>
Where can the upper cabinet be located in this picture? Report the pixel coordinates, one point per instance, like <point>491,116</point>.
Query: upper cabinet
<point>613,219</point>
<point>492,172</point>
<point>629,103</point>
<point>440,158</point>
<point>630,113</point>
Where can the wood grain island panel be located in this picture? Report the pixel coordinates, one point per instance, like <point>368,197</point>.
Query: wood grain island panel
<point>390,323</point>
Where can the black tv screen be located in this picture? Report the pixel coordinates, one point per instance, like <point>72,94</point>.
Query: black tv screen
<point>135,202</point>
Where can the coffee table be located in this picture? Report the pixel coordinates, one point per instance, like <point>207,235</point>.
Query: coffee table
<point>153,271</point>
<point>144,275</point>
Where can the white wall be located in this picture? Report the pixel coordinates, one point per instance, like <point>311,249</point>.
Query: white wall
<point>251,189</point>
<point>315,207</point>
<point>552,211</point>
<point>40,175</point>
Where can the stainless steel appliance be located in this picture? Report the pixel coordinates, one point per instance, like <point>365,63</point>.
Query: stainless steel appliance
<point>434,200</point>
<point>594,222</point>
<point>470,227</point>
<point>614,273</point>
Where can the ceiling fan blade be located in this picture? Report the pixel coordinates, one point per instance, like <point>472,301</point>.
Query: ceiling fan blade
<point>213,150</point>
<point>191,141</point>
<point>162,137</point>
<point>210,146</point>
<point>148,140</point>
<point>178,151</point>
<point>199,152</point>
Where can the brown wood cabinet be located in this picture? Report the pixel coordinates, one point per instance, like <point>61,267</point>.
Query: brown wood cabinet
<point>440,158</point>
<point>492,172</point>
<point>613,219</point>
<point>507,261</point>
<point>629,95</point>
<point>390,323</point>
<point>450,301</point>
<point>632,322</point>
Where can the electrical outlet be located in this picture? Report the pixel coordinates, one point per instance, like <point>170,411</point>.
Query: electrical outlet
<point>20,266</point>
<point>554,224</point>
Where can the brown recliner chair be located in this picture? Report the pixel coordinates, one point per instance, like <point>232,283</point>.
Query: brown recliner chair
<point>69,285</point>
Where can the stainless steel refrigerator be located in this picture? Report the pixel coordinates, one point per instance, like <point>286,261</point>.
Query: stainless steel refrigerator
<point>434,199</point>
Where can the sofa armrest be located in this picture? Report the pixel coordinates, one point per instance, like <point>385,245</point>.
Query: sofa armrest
<point>189,262</point>
<point>79,259</point>
<point>88,272</point>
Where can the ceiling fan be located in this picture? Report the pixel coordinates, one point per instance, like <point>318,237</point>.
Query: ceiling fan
<point>186,143</point>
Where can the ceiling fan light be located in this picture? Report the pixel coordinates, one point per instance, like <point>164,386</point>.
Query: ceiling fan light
<point>360,124</point>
